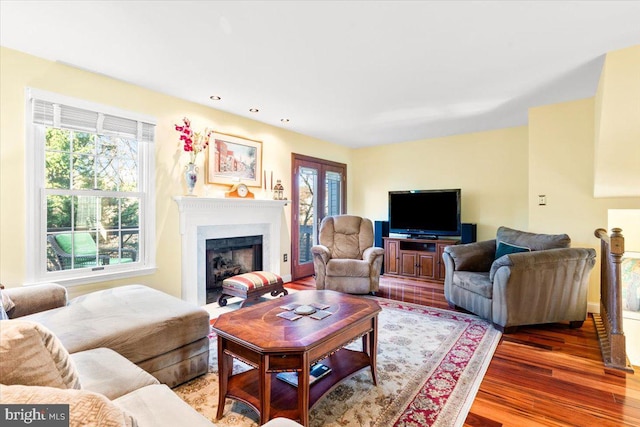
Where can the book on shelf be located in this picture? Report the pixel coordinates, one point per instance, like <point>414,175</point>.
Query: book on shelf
<point>317,371</point>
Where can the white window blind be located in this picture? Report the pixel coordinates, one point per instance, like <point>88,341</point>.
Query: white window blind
<point>68,117</point>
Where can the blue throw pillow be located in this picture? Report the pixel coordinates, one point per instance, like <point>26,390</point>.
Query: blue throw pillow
<point>508,248</point>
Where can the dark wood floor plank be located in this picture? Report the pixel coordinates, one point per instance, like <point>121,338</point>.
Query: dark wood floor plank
<point>544,375</point>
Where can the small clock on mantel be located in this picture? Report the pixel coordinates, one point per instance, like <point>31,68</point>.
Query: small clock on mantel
<point>239,190</point>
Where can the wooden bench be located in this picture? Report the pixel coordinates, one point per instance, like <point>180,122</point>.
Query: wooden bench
<point>251,286</point>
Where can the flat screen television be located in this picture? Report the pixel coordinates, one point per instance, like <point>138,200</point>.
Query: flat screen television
<point>425,213</point>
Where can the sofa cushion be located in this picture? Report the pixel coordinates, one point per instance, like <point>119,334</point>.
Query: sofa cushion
<point>157,405</point>
<point>104,371</point>
<point>476,256</point>
<point>475,282</point>
<point>348,268</point>
<point>507,248</point>
<point>346,236</point>
<point>136,321</point>
<point>83,243</point>
<point>31,355</point>
<point>536,242</point>
<point>252,280</point>
<point>85,408</point>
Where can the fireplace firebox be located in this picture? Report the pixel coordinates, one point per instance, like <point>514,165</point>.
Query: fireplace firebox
<point>227,257</point>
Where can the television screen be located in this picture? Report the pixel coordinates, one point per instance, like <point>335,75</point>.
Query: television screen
<point>425,213</point>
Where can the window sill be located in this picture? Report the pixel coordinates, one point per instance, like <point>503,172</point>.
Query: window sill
<point>96,278</point>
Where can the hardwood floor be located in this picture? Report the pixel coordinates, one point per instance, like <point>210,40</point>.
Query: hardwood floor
<point>541,375</point>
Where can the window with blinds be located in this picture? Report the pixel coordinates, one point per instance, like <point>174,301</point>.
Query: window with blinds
<point>93,183</point>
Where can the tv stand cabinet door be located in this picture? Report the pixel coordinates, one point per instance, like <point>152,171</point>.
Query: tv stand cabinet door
<point>426,265</point>
<point>408,263</point>
<point>391,256</point>
<point>416,264</point>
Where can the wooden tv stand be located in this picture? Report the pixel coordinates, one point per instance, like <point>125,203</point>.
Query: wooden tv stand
<point>415,258</point>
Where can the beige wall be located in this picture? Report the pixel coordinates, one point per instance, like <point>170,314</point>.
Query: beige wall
<point>561,157</point>
<point>617,130</point>
<point>500,172</point>
<point>490,168</point>
<point>19,71</point>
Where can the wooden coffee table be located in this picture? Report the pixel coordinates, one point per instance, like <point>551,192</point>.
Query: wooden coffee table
<point>271,344</point>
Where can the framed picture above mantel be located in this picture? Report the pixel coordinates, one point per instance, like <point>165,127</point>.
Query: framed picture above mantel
<point>232,159</point>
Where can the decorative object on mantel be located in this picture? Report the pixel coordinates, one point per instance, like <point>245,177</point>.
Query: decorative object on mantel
<point>190,178</point>
<point>234,158</point>
<point>239,190</point>
<point>278,191</point>
<point>193,143</point>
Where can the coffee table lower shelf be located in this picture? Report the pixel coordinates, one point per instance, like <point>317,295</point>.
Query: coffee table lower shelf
<point>245,386</point>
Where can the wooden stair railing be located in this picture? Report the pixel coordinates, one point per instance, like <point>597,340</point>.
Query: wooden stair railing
<point>609,321</point>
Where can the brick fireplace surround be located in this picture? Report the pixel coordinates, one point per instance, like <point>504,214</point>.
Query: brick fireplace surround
<point>215,218</point>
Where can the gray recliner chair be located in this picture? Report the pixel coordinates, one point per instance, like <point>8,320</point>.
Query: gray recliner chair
<point>520,278</point>
<point>346,260</point>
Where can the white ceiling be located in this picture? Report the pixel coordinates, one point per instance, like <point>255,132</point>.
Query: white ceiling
<point>356,73</point>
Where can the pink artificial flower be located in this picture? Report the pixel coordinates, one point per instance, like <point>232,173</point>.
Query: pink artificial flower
<point>193,143</point>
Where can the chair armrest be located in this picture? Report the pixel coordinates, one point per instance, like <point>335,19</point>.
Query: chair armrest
<point>79,260</point>
<point>476,256</point>
<point>374,257</point>
<point>130,253</point>
<point>36,298</point>
<point>372,254</point>
<point>322,252</point>
<point>126,252</point>
<point>542,286</point>
<point>321,257</point>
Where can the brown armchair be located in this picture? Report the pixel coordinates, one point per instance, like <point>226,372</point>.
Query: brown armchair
<point>520,278</point>
<point>346,260</point>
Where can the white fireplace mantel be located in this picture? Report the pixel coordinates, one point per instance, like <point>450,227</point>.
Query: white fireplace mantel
<point>214,218</point>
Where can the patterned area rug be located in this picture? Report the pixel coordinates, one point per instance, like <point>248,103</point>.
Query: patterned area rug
<point>430,365</point>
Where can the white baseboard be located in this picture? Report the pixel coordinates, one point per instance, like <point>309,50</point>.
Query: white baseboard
<point>593,307</point>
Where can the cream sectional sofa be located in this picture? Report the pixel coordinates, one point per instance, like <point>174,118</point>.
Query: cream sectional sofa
<point>81,353</point>
<point>101,387</point>
<point>163,335</point>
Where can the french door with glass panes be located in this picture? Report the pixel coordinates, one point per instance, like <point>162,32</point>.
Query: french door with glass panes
<point>319,190</point>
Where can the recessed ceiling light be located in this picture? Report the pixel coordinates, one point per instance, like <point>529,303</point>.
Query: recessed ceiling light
<point>253,110</point>
<point>215,98</point>
<point>284,120</point>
